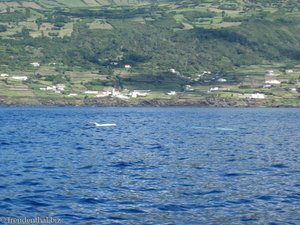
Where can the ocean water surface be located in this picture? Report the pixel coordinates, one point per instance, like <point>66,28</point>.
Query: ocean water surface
<point>156,166</point>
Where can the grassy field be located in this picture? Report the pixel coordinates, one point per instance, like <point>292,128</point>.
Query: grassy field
<point>139,34</point>
<point>48,4</point>
<point>71,3</point>
<point>14,89</point>
<point>82,81</point>
<point>214,22</point>
<point>32,5</point>
<point>91,3</point>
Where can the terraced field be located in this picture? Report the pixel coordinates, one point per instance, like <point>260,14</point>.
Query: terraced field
<point>71,3</point>
<point>39,4</point>
<point>91,3</point>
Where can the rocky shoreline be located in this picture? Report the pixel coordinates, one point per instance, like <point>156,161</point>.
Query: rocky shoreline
<point>115,102</point>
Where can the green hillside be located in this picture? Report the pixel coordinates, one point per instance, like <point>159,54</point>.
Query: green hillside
<point>166,45</point>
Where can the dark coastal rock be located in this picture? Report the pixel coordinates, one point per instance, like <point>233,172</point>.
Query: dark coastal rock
<point>114,102</point>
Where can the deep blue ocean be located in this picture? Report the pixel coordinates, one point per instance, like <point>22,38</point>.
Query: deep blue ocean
<point>156,166</point>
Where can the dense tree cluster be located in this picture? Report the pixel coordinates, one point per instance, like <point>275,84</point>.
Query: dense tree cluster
<point>157,43</point>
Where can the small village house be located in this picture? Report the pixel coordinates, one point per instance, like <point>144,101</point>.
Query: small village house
<point>61,87</point>
<point>91,92</point>
<point>270,73</point>
<point>267,86</point>
<point>56,88</point>
<point>21,78</point>
<point>172,70</point>
<point>103,94</point>
<point>172,93</point>
<point>254,96</point>
<point>273,82</point>
<point>35,64</point>
<point>218,89</point>
<point>222,80</point>
<point>188,88</point>
<point>51,88</point>
<point>214,89</point>
<point>139,93</point>
<point>72,94</point>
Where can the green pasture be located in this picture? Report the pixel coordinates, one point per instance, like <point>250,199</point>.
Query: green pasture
<point>71,3</point>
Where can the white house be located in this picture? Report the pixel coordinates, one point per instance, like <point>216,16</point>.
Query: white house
<point>60,87</point>
<point>139,93</point>
<point>203,73</point>
<point>72,94</point>
<point>127,66</point>
<point>113,93</point>
<point>172,93</point>
<point>218,89</point>
<point>275,82</point>
<point>56,88</point>
<point>188,88</point>
<point>254,96</point>
<point>214,89</point>
<point>122,96</point>
<point>222,80</point>
<point>91,92</point>
<point>118,94</point>
<point>270,73</point>
<point>114,63</point>
<point>103,94</point>
<point>35,64</point>
<point>51,88</point>
<point>4,75</point>
<point>289,71</point>
<point>267,86</point>
<point>172,70</point>
<point>22,78</point>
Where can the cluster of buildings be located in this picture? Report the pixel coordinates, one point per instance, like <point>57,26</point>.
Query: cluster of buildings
<point>213,89</point>
<point>126,66</point>
<point>270,79</point>
<point>174,72</point>
<point>59,88</point>
<point>253,96</point>
<point>20,78</point>
<point>126,94</point>
<point>269,82</point>
<point>35,64</point>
